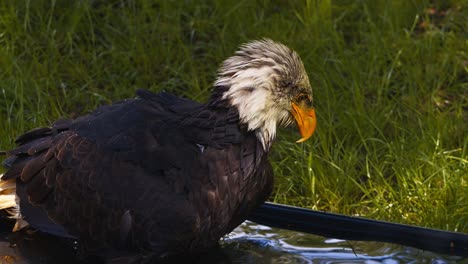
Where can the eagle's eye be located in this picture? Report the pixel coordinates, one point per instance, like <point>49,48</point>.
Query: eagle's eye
<point>305,99</point>
<point>302,97</point>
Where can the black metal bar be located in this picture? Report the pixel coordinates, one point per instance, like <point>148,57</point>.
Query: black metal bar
<point>361,229</point>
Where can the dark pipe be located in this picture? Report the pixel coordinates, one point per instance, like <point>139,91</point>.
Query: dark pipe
<point>362,229</point>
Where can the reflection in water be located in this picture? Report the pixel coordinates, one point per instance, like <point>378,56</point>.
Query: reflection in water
<point>249,243</point>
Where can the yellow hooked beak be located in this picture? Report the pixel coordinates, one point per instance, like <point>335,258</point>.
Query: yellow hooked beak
<point>306,121</point>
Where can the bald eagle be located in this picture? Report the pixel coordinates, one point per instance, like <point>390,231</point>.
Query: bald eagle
<point>159,173</point>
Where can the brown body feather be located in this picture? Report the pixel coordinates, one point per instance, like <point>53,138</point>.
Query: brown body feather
<point>158,173</point>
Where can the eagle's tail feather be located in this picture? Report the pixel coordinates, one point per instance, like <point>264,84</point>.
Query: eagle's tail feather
<point>7,194</point>
<point>9,202</point>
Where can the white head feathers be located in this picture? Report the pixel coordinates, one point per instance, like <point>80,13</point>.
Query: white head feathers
<point>261,80</point>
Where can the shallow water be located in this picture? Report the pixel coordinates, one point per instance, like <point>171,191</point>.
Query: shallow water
<point>249,243</point>
<point>252,243</point>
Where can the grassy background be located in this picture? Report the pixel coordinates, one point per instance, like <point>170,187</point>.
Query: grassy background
<point>389,77</point>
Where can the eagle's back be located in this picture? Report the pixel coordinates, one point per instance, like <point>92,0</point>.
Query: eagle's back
<point>158,173</point>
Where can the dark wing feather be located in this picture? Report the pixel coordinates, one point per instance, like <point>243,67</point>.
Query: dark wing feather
<point>158,172</point>
<point>36,133</point>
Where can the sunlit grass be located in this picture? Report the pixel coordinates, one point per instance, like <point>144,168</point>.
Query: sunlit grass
<point>389,81</point>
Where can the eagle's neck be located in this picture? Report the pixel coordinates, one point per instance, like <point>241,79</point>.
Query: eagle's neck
<point>255,111</point>
<point>252,113</point>
<point>252,94</point>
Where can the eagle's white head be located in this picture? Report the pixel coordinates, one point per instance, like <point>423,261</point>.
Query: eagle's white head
<point>268,84</point>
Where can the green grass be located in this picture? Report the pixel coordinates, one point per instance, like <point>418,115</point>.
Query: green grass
<point>389,77</point>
